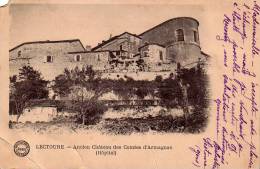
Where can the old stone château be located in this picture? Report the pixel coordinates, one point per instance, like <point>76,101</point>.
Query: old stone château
<point>162,48</point>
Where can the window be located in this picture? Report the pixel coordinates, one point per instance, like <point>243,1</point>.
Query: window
<point>98,58</point>
<point>161,55</point>
<point>146,54</point>
<point>78,58</point>
<point>19,53</point>
<point>179,35</point>
<point>195,35</point>
<point>49,59</point>
<point>121,47</point>
<point>117,52</point>
<point>178,66</point>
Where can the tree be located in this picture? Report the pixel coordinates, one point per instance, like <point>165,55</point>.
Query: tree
<point>169,91</point>
<point>197,96</point>
<point>83,87</point>
<point>29,86</point>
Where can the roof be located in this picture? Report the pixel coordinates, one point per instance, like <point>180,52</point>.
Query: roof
<point>79,52</point>
<point>113,38</point>
<point>98,51</point>
<point>205,54</point>
<point>48,41</point>
<point>167,22</point>
<point>151,44</point>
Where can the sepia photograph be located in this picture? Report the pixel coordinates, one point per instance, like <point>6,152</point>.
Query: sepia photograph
<point>152,80</point>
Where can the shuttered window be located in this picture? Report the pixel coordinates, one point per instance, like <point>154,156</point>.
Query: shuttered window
<point>179,35</point>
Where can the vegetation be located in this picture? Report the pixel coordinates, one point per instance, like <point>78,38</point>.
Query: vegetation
<point>82,86</point>
<point>28,86</point>
<point>80,90</point>
<point>169,91</point>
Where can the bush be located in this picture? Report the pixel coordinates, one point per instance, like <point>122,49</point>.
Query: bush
<point>91,112</point>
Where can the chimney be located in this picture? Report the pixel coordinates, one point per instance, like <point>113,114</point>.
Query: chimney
<point>88,48</point>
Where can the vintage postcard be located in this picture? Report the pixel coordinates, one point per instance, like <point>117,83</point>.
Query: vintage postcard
<point>130,84</point>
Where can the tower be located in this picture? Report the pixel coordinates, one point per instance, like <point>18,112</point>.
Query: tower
<point>180,36</point>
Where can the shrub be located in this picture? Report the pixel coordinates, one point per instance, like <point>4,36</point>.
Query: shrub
<point>91,112</point>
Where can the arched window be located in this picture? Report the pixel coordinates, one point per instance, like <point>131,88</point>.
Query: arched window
<point>179,35</point>
<point>19,53</point>
<point>78,58</point>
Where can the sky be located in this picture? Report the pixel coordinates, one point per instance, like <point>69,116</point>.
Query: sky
<point>92,23</point>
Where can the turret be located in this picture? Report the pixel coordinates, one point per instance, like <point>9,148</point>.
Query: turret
<point>180,36</point>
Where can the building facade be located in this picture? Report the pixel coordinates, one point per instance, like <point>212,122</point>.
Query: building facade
<point>48,57</point>
<point>162,48</point>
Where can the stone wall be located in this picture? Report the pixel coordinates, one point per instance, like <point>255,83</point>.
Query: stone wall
<point>98,59</point>
<point>35,55</point>
<point>151,53</point>
<point>36,114</point>
<point>185,54</point>
<point>138,75</point>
